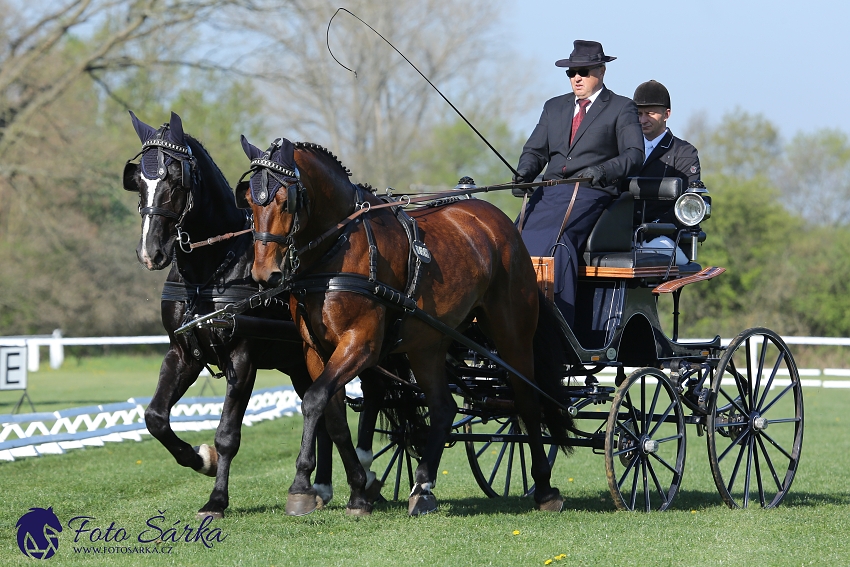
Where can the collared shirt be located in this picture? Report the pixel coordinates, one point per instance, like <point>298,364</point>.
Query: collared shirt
<point>649,145</point>
<point>592,98</point>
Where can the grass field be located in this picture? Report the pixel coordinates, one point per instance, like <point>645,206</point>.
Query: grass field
<point>129,483</point>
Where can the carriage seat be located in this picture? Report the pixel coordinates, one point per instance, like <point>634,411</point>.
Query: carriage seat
<point>611,242</point>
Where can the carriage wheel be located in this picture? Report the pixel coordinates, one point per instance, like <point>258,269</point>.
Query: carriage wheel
<point>645,442</point>
<point>501,466</point>
<point>755,424</point>
<point>396,458</point>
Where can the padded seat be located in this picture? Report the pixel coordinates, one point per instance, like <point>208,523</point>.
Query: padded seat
<point>627,260</point>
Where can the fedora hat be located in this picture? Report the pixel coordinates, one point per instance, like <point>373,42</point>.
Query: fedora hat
<point>652,93</point>
<point>585,54</point>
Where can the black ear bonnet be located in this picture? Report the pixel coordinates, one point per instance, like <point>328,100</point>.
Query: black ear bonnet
<point>271,170</point>
<point>161,147</point>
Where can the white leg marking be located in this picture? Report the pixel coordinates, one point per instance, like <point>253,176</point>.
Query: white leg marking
<point>150,193</point>
<point>204,453</point>
<point>365,458</point>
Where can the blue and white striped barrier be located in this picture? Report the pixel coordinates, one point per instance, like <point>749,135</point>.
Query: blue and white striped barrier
<point>34,434</point>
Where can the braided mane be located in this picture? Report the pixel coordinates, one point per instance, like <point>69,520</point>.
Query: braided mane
<point>324,150</point>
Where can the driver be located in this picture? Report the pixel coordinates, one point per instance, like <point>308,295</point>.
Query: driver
<point>666,156</point>
<point>592,133</point>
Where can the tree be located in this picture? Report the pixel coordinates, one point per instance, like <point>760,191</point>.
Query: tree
<point>815,177</point>
<point>751,234</point>
<point>374,119</point>
<point>67,231</point>
<point>452,150</point>
<point>742,146</point>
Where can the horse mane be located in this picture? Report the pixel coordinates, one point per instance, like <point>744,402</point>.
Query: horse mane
<point>209,169</point>
<point>323,150</point>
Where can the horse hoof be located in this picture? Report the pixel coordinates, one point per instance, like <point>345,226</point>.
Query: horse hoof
<point>373,493</point>
<point>421,504</point>
<point>210,458</point>
<point>554,505</point>
<point>358,512</point>
<point>302,504</point>
<point>214,515</point>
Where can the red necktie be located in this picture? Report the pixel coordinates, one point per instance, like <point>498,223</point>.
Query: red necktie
<point>582,110</point>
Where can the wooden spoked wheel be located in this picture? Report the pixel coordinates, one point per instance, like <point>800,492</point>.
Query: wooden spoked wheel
<point>755,423</point>
<point>645,442</point>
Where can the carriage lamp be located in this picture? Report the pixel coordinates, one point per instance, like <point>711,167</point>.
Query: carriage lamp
<point>690,209</point>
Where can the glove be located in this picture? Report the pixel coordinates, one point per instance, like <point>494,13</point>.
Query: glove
<point>595,173</point>
<point>520,177</point>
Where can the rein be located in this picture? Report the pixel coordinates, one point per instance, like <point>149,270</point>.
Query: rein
<point>431,200</point>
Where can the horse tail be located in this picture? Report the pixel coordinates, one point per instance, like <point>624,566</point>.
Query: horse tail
<point>551,356</point>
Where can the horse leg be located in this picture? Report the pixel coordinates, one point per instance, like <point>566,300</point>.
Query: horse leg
<point>324,464</point>
<point>228,436</point>
<point>513,337</point>
<point>373,395</point>
<point>177,373</point>
<point>327,396</point>
<point>302,381</point>
<point>428,366</point>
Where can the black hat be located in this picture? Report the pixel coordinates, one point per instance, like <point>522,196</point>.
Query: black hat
<point>652,93</point>
<point>585,54</point>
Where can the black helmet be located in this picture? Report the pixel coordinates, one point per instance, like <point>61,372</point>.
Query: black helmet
<point>652,93</point>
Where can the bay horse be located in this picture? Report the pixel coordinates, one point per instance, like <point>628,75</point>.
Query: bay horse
<point>455,263</point>
<point>183,196</point>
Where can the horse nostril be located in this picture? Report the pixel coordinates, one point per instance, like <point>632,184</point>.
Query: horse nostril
<point>274,279</point>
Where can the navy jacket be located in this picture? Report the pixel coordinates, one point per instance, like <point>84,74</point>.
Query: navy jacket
<point>609,135</point>
<point>672,157</point>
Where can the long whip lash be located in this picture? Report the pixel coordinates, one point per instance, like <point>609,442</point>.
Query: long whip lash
<point>474,129</point>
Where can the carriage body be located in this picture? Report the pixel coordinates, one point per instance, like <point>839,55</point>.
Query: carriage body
<point>744,397</point>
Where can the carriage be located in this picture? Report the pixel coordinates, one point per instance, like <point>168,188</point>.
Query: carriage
<point>744,397</point>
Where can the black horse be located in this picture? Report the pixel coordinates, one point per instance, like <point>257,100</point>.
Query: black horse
<point>185,199</point>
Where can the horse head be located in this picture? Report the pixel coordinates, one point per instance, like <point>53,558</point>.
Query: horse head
<point>164,178</point>
<point>275,194</point>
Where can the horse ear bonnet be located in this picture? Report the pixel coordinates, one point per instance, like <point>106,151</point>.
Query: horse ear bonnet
<point>266,181</point>
<point>154,161</point>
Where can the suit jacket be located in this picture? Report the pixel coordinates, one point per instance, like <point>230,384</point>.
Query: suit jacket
<point>672,157</point>
<point>609,135</point>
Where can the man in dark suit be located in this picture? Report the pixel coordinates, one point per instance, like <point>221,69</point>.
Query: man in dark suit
<point>591,133</point>
<point>666,155</point>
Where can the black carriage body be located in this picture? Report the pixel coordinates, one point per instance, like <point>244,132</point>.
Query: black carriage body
<point>638,424</point>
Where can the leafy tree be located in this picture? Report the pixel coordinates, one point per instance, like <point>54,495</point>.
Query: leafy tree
<point>815,177</point>
<point>750,233</point>
<point>453,150</point>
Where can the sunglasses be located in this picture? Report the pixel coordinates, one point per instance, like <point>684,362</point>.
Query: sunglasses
<point>583,72</point>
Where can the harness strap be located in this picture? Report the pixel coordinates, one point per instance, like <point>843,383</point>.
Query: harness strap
<point>272,237</point>
<point>182,292</point>
<point>159,212</point>
<point>393,298</point>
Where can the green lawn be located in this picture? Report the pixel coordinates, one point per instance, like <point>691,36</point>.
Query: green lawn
<point>128,483</point>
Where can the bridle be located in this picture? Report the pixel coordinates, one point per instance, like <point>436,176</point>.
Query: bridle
<point>290,179</point>
<point>188,180</point>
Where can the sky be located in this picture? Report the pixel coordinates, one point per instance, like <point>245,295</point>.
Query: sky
<point>786,60</point>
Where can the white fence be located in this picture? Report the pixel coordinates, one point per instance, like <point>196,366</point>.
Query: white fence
<point>56,344</point>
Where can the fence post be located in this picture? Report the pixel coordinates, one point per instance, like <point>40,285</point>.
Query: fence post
<point>57,350</point>
<point>32,355</point>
